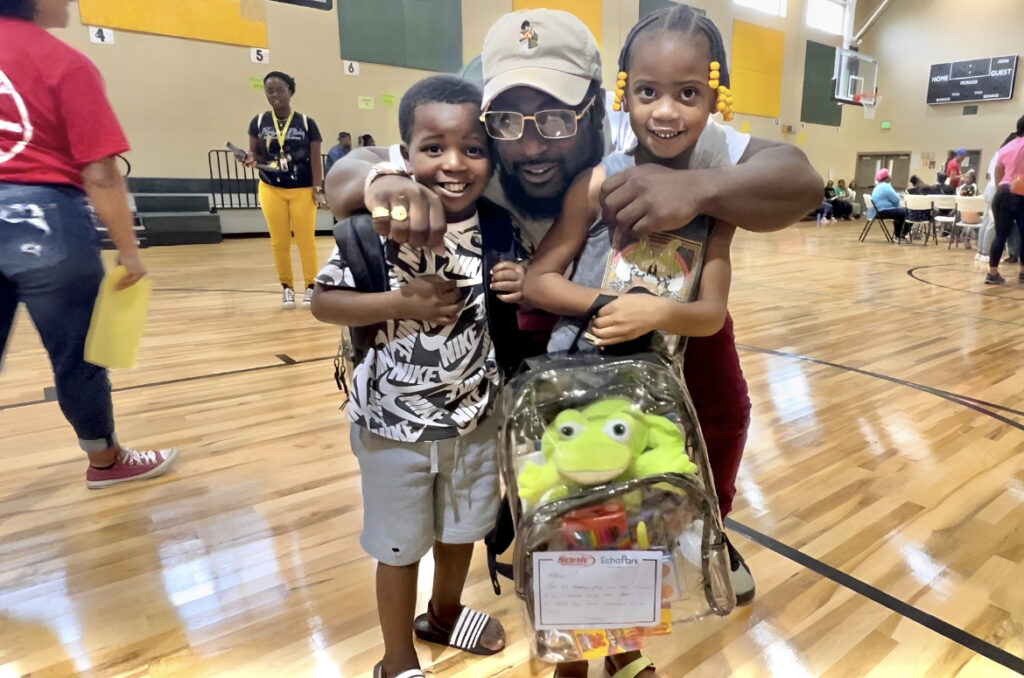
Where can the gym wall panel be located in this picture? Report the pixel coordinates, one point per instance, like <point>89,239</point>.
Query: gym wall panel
<point>756,69</point>
<point>235,22</point>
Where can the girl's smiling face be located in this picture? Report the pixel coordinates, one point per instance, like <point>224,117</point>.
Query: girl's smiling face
<point>667,94</point>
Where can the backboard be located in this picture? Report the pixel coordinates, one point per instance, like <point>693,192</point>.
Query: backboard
<point>855,75</point>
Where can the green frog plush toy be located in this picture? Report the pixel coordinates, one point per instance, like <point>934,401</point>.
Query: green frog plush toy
<point>605,441</point>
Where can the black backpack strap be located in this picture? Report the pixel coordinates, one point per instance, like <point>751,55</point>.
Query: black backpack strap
<point>363,253</point>
<point>497,541</point>
<point>501,242</point>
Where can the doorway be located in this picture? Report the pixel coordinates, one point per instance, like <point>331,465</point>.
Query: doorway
<point>972,161</point>
<point>868,164</point>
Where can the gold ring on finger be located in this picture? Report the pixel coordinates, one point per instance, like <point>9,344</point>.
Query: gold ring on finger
<point>399,213</point>
<point>380,212</point>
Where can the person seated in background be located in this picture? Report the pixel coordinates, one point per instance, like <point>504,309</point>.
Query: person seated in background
<point>823,215</point>
<point>917,186</point>
<point>340,150</point>
<point>942,188</point>
<point>969,184</point>
<point>367,140</point>
<point>842,191</point>
<point>887,204</point>
<point>840,207</point>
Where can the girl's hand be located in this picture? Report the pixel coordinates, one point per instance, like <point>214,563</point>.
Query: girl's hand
<point>507,280</point>
<point>628,317</point>
<point>250,160</point>
<point>319,198</point>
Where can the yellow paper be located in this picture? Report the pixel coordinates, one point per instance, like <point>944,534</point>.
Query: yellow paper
<point>745,127</point>
<point>118,319</point>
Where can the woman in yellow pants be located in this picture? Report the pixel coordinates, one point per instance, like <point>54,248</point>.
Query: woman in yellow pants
<point>285,146</point>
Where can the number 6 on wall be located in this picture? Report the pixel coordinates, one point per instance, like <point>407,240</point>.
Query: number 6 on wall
<point>259,55</point>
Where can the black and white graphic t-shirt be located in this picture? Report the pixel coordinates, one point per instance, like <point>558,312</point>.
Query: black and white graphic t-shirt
<point>302,131</point>
<point>420,381</point>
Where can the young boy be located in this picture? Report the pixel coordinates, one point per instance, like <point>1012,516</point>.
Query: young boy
<point>431,332</point>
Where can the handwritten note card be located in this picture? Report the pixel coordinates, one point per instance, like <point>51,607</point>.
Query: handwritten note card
<point>596,589</point>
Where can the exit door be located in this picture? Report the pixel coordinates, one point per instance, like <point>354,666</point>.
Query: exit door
<point>868,164</point>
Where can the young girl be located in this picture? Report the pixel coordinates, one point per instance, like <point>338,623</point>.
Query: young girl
<point>672,78</point>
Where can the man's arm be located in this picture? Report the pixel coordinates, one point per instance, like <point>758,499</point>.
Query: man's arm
<point>424,224</point>
<point>772,186</point>
<point>346,177</point>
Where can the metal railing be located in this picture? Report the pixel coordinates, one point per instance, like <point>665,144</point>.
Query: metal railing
<point>233,186</point>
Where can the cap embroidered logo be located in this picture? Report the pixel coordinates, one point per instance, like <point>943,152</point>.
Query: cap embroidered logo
<point>528,39</point>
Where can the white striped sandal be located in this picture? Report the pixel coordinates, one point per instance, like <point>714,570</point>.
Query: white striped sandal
<point>378,672</point>
<point>464,635</point>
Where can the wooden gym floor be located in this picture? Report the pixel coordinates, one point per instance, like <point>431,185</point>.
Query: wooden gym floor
<point>880,503</point>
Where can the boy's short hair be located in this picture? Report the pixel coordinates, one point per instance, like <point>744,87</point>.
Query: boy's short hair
<point>444,89</point>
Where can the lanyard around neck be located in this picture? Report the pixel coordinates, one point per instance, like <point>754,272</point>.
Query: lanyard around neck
<point>281,132</point>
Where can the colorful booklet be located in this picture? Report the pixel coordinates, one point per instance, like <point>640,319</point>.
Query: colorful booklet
<point>664,264</point>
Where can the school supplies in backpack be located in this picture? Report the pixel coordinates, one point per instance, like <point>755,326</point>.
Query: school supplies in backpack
<point>618,531</point>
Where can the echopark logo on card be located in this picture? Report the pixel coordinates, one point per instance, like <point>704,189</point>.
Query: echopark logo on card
<point>583,560</point>
<point>15,126</point>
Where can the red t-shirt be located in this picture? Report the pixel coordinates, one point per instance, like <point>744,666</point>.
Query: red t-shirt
<point>54,115</point>
<point>953,172</point>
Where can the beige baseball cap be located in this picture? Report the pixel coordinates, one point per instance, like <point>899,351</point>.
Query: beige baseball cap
<point>545,49</point>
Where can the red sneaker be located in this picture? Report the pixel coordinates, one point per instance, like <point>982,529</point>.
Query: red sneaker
<point>131,465</point>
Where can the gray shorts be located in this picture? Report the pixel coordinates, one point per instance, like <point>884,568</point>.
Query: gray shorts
<point>414,493</point>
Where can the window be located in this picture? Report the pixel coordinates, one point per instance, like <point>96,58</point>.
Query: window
<point>826,15</point>
<point>776,7</point>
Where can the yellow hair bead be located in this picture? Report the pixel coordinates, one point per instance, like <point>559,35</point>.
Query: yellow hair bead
<point>727,117</point>
<point>622,75</point>
<point>715,65</point>
<point>713,84</point>
<point>721,106</point>
<point>616,106</point>
<point>620,84</point>
<point>722,89</point>
<point>715,75</point>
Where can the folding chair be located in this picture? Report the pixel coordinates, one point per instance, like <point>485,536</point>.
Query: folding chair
<point>966,205</point>
<point>921,204</point>
<point>945,221</point>
<point>870,209</point>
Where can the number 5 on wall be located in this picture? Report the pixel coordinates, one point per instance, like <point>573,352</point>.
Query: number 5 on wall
<point>259,55</point>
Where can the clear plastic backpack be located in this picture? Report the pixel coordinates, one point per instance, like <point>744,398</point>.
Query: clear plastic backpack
<point>618,531</point>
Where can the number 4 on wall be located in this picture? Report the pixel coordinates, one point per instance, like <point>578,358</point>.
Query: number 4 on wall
<point>259,55</point>
<point>101,36</point>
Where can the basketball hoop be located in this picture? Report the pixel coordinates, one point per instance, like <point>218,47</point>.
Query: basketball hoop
<point>868,102</point>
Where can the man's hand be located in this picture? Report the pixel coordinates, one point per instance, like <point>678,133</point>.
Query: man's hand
<point>628,317</point>
<point>250,160</point>
<point>425,224</point>
<point>430,299</point>
<point>647,198</point>
<point>136,271</point>
<point>507,280</point>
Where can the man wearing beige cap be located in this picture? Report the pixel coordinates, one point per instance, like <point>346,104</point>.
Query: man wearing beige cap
<point>545,108</point>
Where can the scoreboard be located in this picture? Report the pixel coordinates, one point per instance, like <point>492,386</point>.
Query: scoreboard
<point>975,80</point>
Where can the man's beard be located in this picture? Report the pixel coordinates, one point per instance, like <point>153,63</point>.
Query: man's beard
<point>523,202</point>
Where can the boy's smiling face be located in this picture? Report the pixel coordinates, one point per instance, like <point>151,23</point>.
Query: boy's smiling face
<point>448,154</point>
